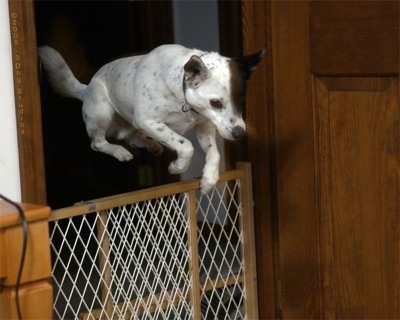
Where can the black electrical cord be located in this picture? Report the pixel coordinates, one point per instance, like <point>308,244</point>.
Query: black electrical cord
<point>24,224</point>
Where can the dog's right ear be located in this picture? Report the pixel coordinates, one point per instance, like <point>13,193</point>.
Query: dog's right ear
<point>248,64</point>
<point>195,72</point>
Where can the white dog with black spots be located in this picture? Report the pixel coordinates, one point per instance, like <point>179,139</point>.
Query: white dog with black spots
<point>152,100</point>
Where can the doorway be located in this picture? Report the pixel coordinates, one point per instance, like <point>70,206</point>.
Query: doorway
<point>88,35</point>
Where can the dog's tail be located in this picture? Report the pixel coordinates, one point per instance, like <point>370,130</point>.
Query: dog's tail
<point>59,74</point>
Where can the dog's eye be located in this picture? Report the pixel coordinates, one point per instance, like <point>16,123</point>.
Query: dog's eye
<point>215,103</point>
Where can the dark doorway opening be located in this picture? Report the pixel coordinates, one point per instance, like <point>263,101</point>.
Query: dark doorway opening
<point>89,34</point>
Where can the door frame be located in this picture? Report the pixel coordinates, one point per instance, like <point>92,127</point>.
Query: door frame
<point>27,101</point>
<point>260,151</point>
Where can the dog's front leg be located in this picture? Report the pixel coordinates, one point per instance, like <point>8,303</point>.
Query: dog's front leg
<point>169,138</point>
<point>206,136</point>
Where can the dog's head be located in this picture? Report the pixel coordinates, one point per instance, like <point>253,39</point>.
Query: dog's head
<point>215,86</point>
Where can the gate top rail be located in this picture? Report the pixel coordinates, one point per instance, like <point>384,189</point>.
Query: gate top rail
<point>104,203</point>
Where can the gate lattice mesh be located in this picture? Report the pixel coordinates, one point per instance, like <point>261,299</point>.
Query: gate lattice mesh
<point>153,259</point>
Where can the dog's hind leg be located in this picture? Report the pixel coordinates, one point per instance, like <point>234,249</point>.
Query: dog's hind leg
<point>138,139</point>
<point>98,115</point>
<point>99,143</point>
<point>123,130</point>
<point>169,138</point>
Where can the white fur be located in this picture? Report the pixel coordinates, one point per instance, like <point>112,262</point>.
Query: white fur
<point>141,100</point>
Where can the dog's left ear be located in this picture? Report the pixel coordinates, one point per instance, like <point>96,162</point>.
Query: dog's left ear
<point>195,71</point>
<point>248,64</point>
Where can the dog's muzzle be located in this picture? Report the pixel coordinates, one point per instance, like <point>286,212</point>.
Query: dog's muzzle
<point>238,133</point>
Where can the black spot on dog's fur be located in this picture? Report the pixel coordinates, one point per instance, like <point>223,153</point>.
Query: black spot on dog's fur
<point>238,86</point>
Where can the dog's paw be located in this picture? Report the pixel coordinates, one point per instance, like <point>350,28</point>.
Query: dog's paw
<point>177,166</point>
<point>123,155</point>
<point>207,183</point>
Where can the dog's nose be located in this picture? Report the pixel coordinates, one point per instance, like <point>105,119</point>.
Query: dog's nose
<point>237,132</point>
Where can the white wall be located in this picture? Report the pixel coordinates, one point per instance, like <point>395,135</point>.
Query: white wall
<point>9,163</point>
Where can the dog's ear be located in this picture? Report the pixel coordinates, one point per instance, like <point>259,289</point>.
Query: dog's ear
<point>195,71</point>
<point>248,64</point>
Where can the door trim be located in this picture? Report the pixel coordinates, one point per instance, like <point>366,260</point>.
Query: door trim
<point>27,101</point>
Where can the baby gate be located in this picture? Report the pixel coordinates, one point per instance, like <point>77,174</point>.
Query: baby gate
<point>167,252</point>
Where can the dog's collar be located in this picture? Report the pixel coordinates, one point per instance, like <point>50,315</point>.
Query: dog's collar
<point>187,107</point>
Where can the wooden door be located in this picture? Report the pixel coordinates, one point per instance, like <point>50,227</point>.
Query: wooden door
<point>325,151</point>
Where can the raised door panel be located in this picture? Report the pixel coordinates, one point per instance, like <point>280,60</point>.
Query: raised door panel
<point>353,37</point>
<point>358,153</point>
